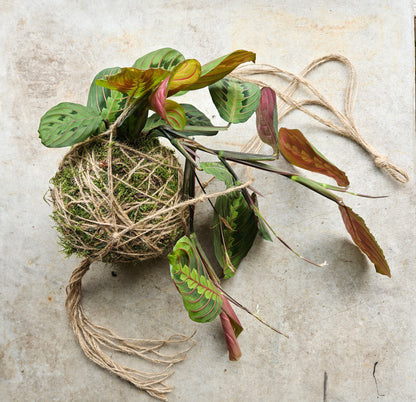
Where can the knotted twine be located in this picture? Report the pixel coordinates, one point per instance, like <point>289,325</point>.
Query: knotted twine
<point>346,126</point>
<point>92,337</point>
<point>116,236</point>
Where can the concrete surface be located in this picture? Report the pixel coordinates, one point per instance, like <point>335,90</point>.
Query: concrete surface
<point>352,332</point>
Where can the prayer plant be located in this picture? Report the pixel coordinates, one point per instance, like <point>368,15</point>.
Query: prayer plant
<point>123,98</point>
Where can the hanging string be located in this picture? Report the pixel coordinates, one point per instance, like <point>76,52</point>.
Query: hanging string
<point>346,126</point>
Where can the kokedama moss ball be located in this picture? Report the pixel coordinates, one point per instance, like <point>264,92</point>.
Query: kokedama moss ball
<point>110,201</point>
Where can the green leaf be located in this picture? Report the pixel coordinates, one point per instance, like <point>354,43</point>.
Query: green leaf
<point>363,238</point>
<point>115,104</point>
<point>235,228</point>
<point>166,58</point>
<point>134,121</point>
<point>219,171</point>
<point>67,124</point>
<point>219,68</point>
<point>200,297</point>
<point>235,101</point>
<point>134,82</point>
<point>98,95</point>
<point>261,222</point>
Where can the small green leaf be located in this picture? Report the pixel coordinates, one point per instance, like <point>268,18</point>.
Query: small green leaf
<point>166,58</point>
<point>235,228</point>
<point>114,106</point>
<point>219,171</point>
<point>67,124</point>
<point>235,101</point>
<point>134,121</point>
<point>261,223</point>
<point>200,297</point>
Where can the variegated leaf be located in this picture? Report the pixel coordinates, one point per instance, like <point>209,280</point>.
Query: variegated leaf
<point>166,58</point>
<point>134,82</point>
<point>219,68</point>
<point>235,100</point>
<point>200,297</point>
<point>235,228</point>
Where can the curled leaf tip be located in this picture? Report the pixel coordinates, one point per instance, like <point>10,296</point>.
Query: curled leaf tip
<point>266,119</point>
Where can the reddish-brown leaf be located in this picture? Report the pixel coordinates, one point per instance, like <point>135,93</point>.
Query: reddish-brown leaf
<point>299,152</point>
<point>364,239</point>
<point>232,328</point>
<point>266,118</point>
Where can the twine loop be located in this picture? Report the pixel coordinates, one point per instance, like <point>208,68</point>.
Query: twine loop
<point>94,339</point>
<point>344,123</point>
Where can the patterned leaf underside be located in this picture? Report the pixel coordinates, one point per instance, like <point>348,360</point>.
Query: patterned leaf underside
<point>299,152</point>
<point>363,238</point>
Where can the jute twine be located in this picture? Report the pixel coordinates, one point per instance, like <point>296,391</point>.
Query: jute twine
<point>120,229</point>
<point>114,234</point>
<point>346,124</point>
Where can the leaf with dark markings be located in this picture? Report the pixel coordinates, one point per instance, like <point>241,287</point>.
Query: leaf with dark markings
<point>67,124</point>
<point>98,95</point>
<point>236,101</point>
<point>166,58</point>
<point>234,228</point>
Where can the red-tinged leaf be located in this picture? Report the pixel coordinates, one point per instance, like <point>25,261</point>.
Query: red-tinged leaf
<point>228,310</point>
<point>362,237</point>
<point>183,75</point>
<point>299,152</point>
<point>217,69</point>
<point>134,82</point>
<point>173,113</point>
<point>232,328</point>
<point>266,119</point>
<point>234,351</point>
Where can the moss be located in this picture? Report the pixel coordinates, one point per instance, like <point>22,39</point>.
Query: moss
<point>138,191</point>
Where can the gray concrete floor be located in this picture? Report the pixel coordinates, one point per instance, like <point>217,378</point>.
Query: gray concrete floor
<point>352,332</point>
